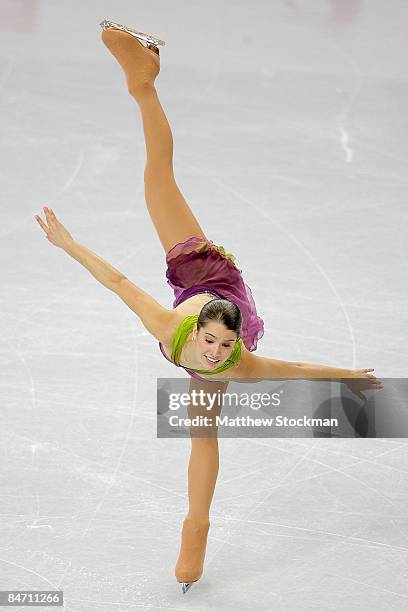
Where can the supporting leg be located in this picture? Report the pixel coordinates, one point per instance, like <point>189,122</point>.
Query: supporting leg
<point>202,477</point>
<point>204,457</point>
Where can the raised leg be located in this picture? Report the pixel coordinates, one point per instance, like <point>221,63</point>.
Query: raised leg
<point>169,211</point>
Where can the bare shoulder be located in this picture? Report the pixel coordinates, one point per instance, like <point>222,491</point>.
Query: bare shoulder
<point>257,367</point>
<point>171,324</point>
<point>246,366</point>
<point>189,307</point>
<point>161,322</point>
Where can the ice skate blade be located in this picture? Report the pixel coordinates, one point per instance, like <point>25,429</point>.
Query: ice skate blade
<point>147,38</point>
<point>186,585</point>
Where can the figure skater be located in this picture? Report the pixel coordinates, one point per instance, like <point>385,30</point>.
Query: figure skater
<point>213,328</point>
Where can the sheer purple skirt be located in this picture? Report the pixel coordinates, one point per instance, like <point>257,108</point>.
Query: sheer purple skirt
<point>197,265</point>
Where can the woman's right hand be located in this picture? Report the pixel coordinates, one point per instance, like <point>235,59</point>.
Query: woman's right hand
<point>55,232</point>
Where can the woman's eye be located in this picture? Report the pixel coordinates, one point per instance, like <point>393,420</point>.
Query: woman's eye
<point>211,342</point>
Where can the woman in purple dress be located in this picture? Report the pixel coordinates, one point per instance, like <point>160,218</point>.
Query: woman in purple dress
<point>213,328</point>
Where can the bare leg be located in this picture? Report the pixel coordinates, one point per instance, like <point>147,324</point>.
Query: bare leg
<point>202,477</point>
<point>204,457</point>
<point>169,211</point>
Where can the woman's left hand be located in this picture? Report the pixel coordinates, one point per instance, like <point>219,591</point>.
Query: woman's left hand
<point>361,380</point>
<point>56,233</point>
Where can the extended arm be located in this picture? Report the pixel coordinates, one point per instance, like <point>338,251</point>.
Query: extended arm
<point>106,274</point>
<point>264,368</point>
<point>253,367</point>
<point>159,321</point>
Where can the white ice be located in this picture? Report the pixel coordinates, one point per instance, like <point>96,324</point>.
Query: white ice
<point>290,129</point>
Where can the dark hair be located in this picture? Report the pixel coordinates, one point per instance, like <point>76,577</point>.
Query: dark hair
<point>222,311</point>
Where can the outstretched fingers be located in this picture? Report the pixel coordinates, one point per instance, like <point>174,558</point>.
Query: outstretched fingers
<point>372,380</point>
<point>50,221</point>
<point>41,223</point>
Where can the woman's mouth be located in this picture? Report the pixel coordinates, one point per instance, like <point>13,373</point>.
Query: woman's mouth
<point>211,361</point>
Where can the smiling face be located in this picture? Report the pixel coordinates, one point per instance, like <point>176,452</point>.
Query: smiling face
<point>214,344</point>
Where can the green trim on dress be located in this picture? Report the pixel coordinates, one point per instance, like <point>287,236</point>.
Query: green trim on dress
<point>220,249</point>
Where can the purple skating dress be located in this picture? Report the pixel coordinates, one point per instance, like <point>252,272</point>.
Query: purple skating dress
<point>197,265</point>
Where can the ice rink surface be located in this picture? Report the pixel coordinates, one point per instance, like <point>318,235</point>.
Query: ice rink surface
<point>290,131</point>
